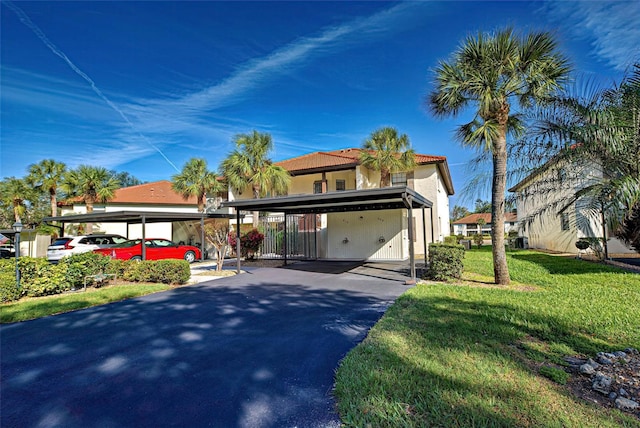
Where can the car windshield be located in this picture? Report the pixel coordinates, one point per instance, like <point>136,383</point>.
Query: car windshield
<point>127,244</point>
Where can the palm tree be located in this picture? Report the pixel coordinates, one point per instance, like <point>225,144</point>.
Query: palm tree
<point>249,166</point>
<point>490,73</point>
<point>91,184</point>
<point>46,176</point>
<point>14,192</point>
<point>196,180</point>
<point>387,152</point>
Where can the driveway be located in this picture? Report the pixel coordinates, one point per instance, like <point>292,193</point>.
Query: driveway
<point>254,350</point>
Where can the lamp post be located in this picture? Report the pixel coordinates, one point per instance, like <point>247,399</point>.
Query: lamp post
<point>17,227</point>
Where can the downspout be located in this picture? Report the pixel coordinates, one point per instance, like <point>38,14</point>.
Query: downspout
<point>424,237</point>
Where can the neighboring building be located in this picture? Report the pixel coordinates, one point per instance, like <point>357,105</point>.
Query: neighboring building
<point>340,170</point>
<point>157,197</point>
<point>546,216</point>
<point>470,225</point>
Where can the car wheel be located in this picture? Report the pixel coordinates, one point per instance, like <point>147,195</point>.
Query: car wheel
<point>190,256</point>
<point>136,258</point>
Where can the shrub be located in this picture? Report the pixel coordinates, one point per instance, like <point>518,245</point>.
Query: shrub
<point>451,239</point>
<point>478,240</point>
<point>164,271</point>
<point>249,243</point>
<point>79,266</point>
<point>8,287</point>
<point>445,262</point>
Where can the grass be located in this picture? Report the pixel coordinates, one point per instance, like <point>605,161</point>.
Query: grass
<point>474,354</point>
<point>37,307</point>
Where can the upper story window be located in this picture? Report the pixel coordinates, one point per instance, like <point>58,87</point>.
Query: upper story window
<point>399,179</point>
<point>341,185</point>
<point>317,187</point>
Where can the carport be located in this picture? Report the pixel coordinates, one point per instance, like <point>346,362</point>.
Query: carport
<point>137,217</point>
<point>398,197</point>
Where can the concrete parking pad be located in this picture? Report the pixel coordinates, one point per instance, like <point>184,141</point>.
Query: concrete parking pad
<point>253,350</point>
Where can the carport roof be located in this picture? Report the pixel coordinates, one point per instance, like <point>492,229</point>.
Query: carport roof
<point>133,217</point>
<point>349,200</point>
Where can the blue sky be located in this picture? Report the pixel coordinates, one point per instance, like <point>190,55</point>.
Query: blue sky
<point>143,87</point>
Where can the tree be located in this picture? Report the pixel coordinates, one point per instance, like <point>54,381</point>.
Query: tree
<point>125,179</point>
<point>14,192</point>
<point>459,212</point>
<point>195,180</point>
<point>46,176</point>
<point>249,166</point>
<point>482,206</point>
<point>491,73</point>
<point>387,152</point>
<point>600,127</point>
<point>217,233</point>
<point>91,184</point>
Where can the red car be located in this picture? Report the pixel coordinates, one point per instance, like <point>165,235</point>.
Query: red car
<point>156,249</point>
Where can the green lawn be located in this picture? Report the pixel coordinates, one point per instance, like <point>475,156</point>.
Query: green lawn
<point>470,354</point>
<point>31,308</point>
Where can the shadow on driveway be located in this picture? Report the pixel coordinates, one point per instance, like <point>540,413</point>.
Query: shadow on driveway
<point>254,350</point>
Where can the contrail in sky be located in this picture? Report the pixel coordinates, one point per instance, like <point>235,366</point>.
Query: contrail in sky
<point>38,32</point>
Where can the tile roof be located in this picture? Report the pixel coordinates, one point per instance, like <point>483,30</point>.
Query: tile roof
<point>158,192</point>
<point>337,159</point>
<point>473,218</point>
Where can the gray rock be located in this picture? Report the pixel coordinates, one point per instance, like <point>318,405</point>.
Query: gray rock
<point>605,360</point>
<point>602,383</point>
<point>620,354</point>
<point>593,363</point>
<point>622,392</point>
<point>587,369</point>
<point>609,355</point>
<point>612,395</point>
<point>631,351</point>
<point>626,404</point>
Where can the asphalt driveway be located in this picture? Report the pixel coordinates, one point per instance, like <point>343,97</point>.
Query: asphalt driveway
<point>255,350</point>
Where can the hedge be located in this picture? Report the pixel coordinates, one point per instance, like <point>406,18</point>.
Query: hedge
<point>445,262</point>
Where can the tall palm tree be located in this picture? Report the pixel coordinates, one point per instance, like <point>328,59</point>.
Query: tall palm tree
<point>92,184</point>
<point>387,152</point>
<point>196,180</point>
<point>13,193</point>
<point>491,73</point>
<point>249,166</point>
<point>46,176</point>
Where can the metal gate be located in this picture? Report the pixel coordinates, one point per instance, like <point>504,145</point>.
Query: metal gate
<point>301,237</point>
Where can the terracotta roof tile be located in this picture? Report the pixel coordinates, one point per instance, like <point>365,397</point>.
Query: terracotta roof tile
<point>337,158</point>
<point>158,192</point>
<point>473,218</point>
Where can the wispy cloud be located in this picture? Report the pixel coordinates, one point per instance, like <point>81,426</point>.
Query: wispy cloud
<point>612,26</point>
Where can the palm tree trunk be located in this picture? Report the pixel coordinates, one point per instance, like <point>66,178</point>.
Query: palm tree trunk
<point>499,185</point>
<point>54,202</point>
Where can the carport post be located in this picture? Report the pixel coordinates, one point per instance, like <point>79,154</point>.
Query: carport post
<point>202,238</point>
<point>238,240</point>
<point>144,239</point>
<point>412,254</point>
<point>284,241</point>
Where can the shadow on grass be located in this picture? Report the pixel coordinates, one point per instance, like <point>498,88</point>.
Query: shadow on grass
<point>564,265</point>
<point>457,361</point>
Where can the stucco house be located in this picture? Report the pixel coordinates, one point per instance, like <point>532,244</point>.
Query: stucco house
<point>471,224</point>
<point>370,233</point>
<point>545,215</point>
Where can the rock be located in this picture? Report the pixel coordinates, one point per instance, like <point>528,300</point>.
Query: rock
<point>620,354</point>
<point>626,404</point>
<point>609,355</point>
<point>587,369</point>
<point>622,392</point>
<point>631,351</point>
<point>593,363</point>
<point>612,395</point>
<point>603,359</point>
<point>602,383</point>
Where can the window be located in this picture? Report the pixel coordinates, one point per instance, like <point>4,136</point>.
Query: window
<point>317,187</point>
<point>398,179</point>
<point>564,221</point>
<point>341,185</point>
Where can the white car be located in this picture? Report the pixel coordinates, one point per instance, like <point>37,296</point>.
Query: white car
<point>69,245</point>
